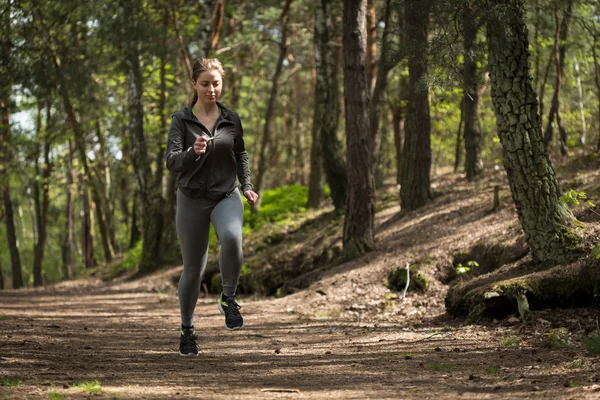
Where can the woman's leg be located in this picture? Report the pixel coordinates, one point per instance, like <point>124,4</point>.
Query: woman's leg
<point>227,217</point>
<point>193,226</point>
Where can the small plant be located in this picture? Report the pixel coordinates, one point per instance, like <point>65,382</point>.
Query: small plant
<point>462,269</point>
<point>3,317</point>
<point>509,340</point>
<point>578,363</point>
<point>440,367</point>
<point>56,396</point>
<point>89,387</point>
<point>10,381</point>
<point>593,343</point>
<point>493,369</point>
<point>556,338</point>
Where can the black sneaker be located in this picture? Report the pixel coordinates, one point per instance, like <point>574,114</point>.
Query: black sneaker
<point>231,310</point>
<point>187,342</point>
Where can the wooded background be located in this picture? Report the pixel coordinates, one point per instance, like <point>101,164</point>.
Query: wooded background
<point>337,97</point>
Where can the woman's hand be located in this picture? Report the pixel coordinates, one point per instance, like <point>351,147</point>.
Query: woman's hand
<point>200,144</point>
<point>251,196</point>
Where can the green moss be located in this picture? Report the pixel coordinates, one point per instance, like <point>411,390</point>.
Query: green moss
<point>396,280</point>
<point>569,239</point>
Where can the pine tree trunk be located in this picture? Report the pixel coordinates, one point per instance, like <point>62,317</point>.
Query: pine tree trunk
<point>372,44</point>
<point>149,195</point>
<point>546,221</point>
<point>266,139</point>
<point>415,189</point>
<point>583,137</point>
<point>67,246</point>
<point>87,240</point>
<point>358,235</point>
<point>459,135</point>
<point>41,204</point>
<point>386,63</point>
<point>327,115</point>
<point>559,56</point>
<point>472,135</point>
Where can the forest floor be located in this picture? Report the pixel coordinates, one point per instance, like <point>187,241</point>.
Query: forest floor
<point>346,336</point>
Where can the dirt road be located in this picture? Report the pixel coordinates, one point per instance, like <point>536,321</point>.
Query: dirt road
<point>100,343</point>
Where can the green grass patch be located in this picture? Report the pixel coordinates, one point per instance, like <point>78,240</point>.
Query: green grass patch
<point>509,340</point>
<point>277,204</point>
<point>10,381</point>
<point>593,344</point>
<point>89,387</point>
<point>3,317</point>
<point>556,339</point>
<point>440,367</point>
<point>56,396</point>
<point>492,369</point>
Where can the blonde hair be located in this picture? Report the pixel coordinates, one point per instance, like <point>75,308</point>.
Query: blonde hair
<point>202,65</point>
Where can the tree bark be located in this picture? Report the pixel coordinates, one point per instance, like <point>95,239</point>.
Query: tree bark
<point>559,56</point>
<point>371,21</point>
<point>266,137</point>
<point>327,106</point>
<point>148,194</point>
<point>583,137</point>
<point>546,221</point>
<point>459,135</point>
<point>472,135</point>
<point>41,204</point>
<point>415,189</point>
<point>67,245</point>
<point>358,237</point>
<point>9,218</point>
<point>315,179</point>
<point>87,240</point>
<point>385,65</point>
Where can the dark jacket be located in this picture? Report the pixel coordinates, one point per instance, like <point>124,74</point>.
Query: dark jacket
<point>217,172</point>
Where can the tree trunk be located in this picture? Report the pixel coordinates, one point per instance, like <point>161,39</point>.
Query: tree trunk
<point>472,135</point>
<point>300,175</point>
<point>103,186</point>
<point>546,221</point>
<point>67,246</point>
<point>358,235</point>
<point>371,22</point>
<point>9,218</point>
<point>207,13</point>
<point>41,204</point>
<point>385,65</point>
<point>315,179</point>
<point>149,195</point>
<point>415,189</point>
<point>327,116</point>
<point>87,240</point>
<point>583,137</point>
<point>459,135</point>
<point>266,137</point>
<point>559,56</point>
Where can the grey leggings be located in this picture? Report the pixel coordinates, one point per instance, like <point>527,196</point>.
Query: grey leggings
<point>194,217</point>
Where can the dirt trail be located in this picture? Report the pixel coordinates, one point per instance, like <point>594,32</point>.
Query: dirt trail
<point>51,341</point>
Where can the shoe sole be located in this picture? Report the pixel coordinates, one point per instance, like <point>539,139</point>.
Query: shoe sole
<point>188,354</point>
<point>223,313</point>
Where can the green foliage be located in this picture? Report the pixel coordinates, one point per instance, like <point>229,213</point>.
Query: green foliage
<point>56,396</point>
<point>461,269</point>
<point>396,280</point>
<point>596,251</point>
<point>573,197</point>
<point>509,340</point>
<point>556,338</point>
<point>278,204</point>
<point>89,386</point>
<point>440,367</point>
<point>10,381</point>
<point>492,369</point>
<point>592,343</point>
<point>131,259</point>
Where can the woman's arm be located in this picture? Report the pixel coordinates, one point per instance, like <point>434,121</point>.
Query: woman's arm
<point>241,157</point>
<point>178,158</point>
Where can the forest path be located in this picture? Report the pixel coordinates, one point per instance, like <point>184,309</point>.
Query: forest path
<point>52,341</point>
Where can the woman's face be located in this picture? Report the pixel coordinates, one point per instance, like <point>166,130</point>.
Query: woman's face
<point>208,86</point>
